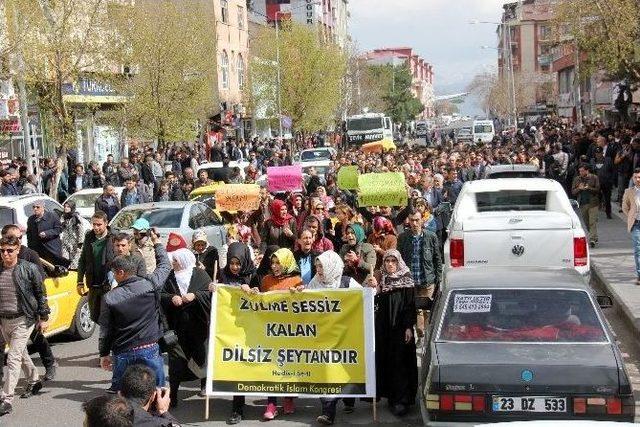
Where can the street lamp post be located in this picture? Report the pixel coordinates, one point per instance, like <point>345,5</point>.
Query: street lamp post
<point>278,78</point>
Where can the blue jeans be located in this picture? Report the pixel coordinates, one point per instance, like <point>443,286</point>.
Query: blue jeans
<point>149,356</point>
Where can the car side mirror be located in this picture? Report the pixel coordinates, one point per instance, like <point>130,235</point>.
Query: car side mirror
<point>574,204</point>
<point>604,301</point>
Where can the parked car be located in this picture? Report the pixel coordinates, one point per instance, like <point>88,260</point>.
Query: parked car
<point>180,217</point>
<point>69,311</point>
<point>511,171</point>
<point>17,209</point>
<point>86,200</point>
<point>515,222</point>
<point>521,343</point>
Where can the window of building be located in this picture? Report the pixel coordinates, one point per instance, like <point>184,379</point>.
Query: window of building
<point>240,70</point>
<point>224,68</point>
<point>545,32</point>
<point>224,5</point>
<point>240,18</point>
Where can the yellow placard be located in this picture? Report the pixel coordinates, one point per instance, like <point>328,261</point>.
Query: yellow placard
<point>312,343</point>
<point>348,178</point>
<point>382,189</point>
<point>238,197</point>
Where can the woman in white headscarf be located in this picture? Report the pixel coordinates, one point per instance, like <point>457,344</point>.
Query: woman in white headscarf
<point>186,302</point>
<point>329,269</point>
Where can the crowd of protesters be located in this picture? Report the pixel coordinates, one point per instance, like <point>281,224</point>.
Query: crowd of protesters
<point>315,238</point>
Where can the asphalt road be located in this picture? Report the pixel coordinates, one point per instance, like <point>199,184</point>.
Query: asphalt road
<point>79,379</point>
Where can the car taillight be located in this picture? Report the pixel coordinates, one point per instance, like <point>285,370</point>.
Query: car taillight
<point>455,402</point>
<point>579,405</point>
<point>614,406</point>
<point>579,251</point>
<point>598,405</point>
<point>446,402</point>
<point>456,252</point>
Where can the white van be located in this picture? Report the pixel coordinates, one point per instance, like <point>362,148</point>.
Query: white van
<point>483,131</point>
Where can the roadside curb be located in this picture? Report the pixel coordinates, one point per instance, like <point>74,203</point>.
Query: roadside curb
<point>631,319</point>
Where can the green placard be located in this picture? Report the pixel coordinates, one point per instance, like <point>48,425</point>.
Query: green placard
<point>382,189</point>
<point>348,178</point>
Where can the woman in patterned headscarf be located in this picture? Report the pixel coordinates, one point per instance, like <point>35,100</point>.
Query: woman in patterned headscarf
<point>285,275</point>
<point>395,345</point>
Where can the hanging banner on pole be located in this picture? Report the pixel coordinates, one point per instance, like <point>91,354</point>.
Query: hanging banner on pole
<point>314,343</point>
<point>382,189</point>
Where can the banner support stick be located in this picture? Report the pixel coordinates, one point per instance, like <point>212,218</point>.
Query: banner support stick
<point>206,399</point>
<point>375,409</point>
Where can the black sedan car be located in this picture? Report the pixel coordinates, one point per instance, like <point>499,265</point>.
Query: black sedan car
<point>511,344</point>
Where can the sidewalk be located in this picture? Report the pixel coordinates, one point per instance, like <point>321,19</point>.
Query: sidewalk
<point>613,267</point>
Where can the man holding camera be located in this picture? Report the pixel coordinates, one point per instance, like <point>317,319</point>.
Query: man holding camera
<point>150,404</point>
<point>129,317</point>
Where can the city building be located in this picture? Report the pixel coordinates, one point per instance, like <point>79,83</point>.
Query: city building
<point>525,38</point>
<point>232,46</point>
<point>330,17</point>
<point>421,72</point>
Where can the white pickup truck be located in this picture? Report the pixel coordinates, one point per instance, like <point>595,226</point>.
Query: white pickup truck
<point>516,222</point>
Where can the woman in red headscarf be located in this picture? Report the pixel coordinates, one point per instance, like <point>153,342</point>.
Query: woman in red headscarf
<point>382,238</point>
<point>280,229</point>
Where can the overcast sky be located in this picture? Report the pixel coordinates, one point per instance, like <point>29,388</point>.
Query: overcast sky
<point>437,30</point>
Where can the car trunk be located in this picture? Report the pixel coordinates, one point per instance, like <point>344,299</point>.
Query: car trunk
<point>519,239</point>
<point>556,368</point>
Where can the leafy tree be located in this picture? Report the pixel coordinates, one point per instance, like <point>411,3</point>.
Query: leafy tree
<point>311,76</point>
<point>59,41</point>
<point>171,49</point>
<point>446,108</point>
<point>606,30</point>
<point>400,103</point>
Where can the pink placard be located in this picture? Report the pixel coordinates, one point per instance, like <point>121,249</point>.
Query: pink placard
<point>284,178</point>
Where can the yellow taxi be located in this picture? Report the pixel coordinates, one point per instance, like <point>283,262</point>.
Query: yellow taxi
<point>69,311</point>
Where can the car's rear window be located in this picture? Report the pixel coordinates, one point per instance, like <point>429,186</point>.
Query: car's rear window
<point>158,217</point>
<point>514,174</point>
<point>311,155</point>
<point>511,200</point>
<point>521,315</point>
<point>85,200</point>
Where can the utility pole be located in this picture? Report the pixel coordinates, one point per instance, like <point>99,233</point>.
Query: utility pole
<point>578,90</point>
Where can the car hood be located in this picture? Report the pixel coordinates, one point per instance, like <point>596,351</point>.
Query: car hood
<point>554,368</point>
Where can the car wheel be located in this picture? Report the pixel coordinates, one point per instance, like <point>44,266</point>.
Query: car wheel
<point>82,327</point>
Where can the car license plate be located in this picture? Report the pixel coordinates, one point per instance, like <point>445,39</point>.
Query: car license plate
<point>529,404</point>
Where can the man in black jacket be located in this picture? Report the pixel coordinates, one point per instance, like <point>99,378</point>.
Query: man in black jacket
<point>108,201</point>
<point>129,318</point>
<point>420,250</point>
<point>603,167</point>
<point>43,234</point>
<point>79,180</point>
<point>39,342</point>
<point>97,253</point>
<point>23,306</point>
<point>150,405</point>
